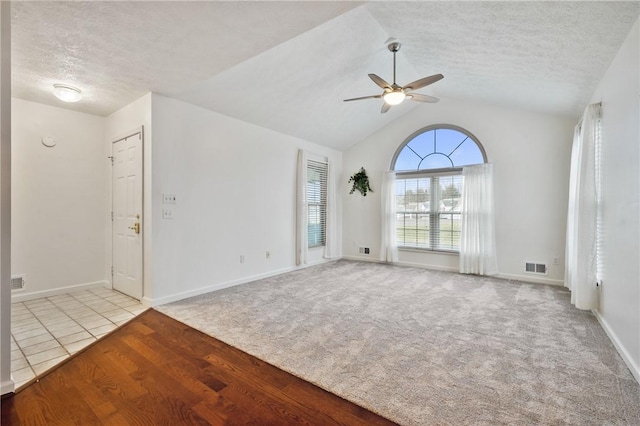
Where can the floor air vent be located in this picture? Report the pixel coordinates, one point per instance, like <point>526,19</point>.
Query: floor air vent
<point>535,268</point>
<point>17,282</point>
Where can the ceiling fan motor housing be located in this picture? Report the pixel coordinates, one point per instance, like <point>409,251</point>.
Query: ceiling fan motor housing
<point>394,46</point>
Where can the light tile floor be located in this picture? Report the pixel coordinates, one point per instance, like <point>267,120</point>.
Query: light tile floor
<point>46,331</point>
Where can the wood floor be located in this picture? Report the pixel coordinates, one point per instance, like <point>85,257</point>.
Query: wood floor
<point>157,371</point>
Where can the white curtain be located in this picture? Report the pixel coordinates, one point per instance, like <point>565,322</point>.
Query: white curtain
<point>477,231</point>
<point>302,247</point>
<point>332,242</point>
<point>389,243</point>
<point>582,219</point>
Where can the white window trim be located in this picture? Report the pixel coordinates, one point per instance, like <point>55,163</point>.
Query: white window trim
<point>417,174</point>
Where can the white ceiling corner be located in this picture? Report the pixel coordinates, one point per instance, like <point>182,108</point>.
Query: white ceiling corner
<point>298,87</point>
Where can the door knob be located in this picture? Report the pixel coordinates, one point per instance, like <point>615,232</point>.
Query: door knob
<point>136,227</point>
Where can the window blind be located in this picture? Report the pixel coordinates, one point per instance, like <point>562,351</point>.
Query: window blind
<point>316,203</point>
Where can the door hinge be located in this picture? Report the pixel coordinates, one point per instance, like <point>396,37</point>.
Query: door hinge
<point>112,271</point>
<point>111,216</point>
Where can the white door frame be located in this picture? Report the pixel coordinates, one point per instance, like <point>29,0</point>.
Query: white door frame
<point>137,131</point>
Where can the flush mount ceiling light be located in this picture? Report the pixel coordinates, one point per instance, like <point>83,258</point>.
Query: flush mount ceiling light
<point>67,93</point>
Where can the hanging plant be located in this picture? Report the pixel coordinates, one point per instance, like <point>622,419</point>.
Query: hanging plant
<point>360,182</point>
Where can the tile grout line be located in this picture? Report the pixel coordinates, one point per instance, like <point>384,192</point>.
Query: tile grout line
<point>103,299</point>
<point>20,347</point>
<point>48,331</point>
<point>72,297</point>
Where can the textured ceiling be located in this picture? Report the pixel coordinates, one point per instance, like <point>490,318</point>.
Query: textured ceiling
<point>545,56</point>
<point>118,51</point>
<point>288,65</point>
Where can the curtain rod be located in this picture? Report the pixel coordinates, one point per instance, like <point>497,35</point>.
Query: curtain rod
<point>599,113</point>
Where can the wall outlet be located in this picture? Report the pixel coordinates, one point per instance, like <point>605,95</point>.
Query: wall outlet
<point>556,261</point>
<point>364,250</point>
<point>168,199</point>
<point>242,258</point>
<point>267,254</point>
<point>167,214</point>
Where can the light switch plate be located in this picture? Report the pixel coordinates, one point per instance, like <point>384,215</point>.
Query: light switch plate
<point>167,214</point>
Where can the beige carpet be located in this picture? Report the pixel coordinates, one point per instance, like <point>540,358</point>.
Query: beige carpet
<point>424,347</point>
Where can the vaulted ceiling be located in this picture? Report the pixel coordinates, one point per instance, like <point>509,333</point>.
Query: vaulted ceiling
<point>288,65</point>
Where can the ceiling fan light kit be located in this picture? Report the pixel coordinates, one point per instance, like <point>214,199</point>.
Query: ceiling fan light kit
<point>394,98</point>
<point>393,94</point>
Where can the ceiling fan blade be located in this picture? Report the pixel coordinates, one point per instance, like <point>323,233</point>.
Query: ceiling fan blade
<point>385,107</point>
<point>363,97</point>
<point>418,84</point>
<point>422,98</point>
<point>379,81</point>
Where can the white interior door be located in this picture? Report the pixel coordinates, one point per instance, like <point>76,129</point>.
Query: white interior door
<point>127,215</point>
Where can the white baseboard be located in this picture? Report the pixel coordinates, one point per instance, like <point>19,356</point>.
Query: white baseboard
<point>7,386</point>
<point>531,279</point>
<point>626,357</point>
<point>525,278</point>
<point>24,296</point>
<point>363,259</point>
<point>148,301</point>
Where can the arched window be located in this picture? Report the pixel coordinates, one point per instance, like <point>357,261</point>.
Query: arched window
<point>428,168</point>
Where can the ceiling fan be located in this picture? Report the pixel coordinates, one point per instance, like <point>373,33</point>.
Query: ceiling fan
<point>394,94</point>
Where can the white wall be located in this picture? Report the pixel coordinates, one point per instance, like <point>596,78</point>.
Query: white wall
<point>57,199</point>
<point>235,189</point>
<point>6,383</point>
<point>619,309</point>
<point>531,153</point>
<point>118,124</point>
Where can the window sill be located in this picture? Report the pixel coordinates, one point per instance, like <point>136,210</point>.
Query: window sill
<point>422,250</point>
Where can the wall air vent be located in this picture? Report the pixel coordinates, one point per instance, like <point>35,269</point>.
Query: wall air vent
<point>535,268</point>
<point>17,282</point>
